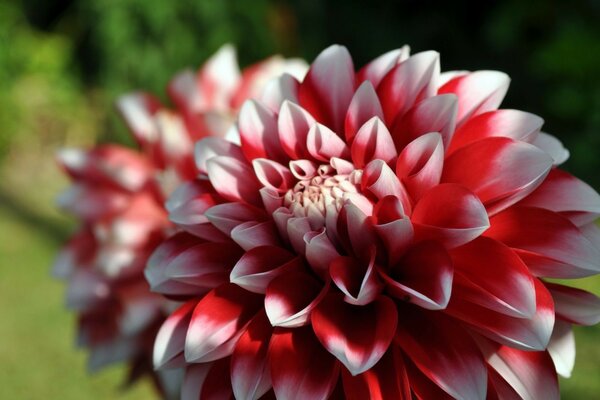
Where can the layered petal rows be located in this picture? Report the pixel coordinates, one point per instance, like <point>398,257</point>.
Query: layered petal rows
<point>117,195</point>
<point>384,233</point>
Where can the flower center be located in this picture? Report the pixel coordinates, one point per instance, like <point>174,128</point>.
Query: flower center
<point>324,192</point>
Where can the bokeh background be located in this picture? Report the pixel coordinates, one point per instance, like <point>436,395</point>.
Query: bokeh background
<point>63,62</point>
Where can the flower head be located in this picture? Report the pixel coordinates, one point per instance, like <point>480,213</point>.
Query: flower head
<point>118,195</point>
<point>378,234</point>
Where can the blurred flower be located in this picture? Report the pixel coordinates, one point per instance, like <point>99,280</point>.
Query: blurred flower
<point>378,234</point>
<point>118,195</point>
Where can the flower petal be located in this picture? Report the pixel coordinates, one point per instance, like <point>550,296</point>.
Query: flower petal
<point>477,92</point>
<point>550,244</point>
<point>227,216</point>
<point>505,285</point>
<point>420,164</point>
<point>258,132</point>
<point>562,348</point>
<point>506,170</point>
<point>233,179</point>
<point>514,124</point>
<point>328,87</point>
<point>563,193</point>
<point>422,277</point>
<point>375,70</point>
<point>358,336</point>
<point>250,370</point>
<point>219,319</point>
<point>372,142</point>
<point>553,147</point>
<point>320,251</point>
<point>408,83</point>
<point>170,339</point>
<point>359,282</point>
<point>451,359</point>
<point>314,372</point>
<point>450,214</point>
<point>210,147</point>
<point>293,124</point>
<point>273,175</point>
<point>575,305</point>
<point>279,90</point>
<point>252,234</point>
<point>364,106</point>
<point>323,144</point>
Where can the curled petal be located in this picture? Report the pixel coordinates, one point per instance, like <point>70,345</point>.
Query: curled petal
<point>291,297</point>
<point>394,229</point>
<point>375,70</point>
<point>258,132</point>
<point>323,144</point>
<point>505,285</point>
<point>293,125</point>
<point>422,277</point>
<point>450,214</point>
<point>408,83</point>
<point>303,169</point>
<point>514,124</point>
<point>355,231</point>
<point>233,179</point>
<point>359,282</point>
<point>358,336</point>
<point>420,164</point>
<point>320,252</point>
<point>379,180</point>
<point>575,306</point>
<point>260,265</point>
<point>364,106</point>
<point>219,319</point>
<point>435,114</point>
<point>561,192</point>
<point>372,142</point>
<point>273,175</point>
<point>477,92</point>
<point>328,87</point>
<point>550,244</point>
<point>252,234</point>
<point>314,372</point>
<point>506,170</point>
<point>451,360</point>
<point>250,370</point>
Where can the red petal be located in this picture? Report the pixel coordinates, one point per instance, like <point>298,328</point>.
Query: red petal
<point>420,164</point>
<point>233,179</point>
<point>409,82</point>
<point>219,319</point>
<point>210,147</point>
<point>514,124</point>
<point>273,175</point>
<point>227,216</point>
<point>252,234</point>
<point>450,214</point>
<point>357,335</point>
<point>506,170</point>
<point>260,265</point>
<point>278,90</point>
<point>170,339</point>
<point>250,373</point>
<point>364,106</point>
<point>375,70</point>
<point>372,141</point>
<point>300,367</point>
<point>258,132</point>
<point>523,333</point>
<point>217,384</point>
<point>550,244</point>
<point>505,285</point>
<point>423,276</point>
<point>320,252</point>
<point>435,114</point>
<point>443,352</point>
<point>328,87</point>
<point>477,92</point>
<point>393,227</point>
<point>379,180</point>
<point>291,297</point>
<point>293,125</point>
<point>386,380</point>
<point>323,144</point>
<point>561,192</point>
<point>575,305</point>
<point>358,281</point>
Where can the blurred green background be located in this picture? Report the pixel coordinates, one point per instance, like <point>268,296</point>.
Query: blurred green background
<point>63,62</point>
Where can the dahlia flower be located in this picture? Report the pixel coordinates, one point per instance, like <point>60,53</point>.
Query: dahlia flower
<point>118,195</point>
<point>383,234</point>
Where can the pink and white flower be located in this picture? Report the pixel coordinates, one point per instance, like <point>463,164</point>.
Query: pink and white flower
<point>381,234</point>
<point>118,195</point>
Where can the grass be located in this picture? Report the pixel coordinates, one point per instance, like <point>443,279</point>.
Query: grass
<point>39,359</point>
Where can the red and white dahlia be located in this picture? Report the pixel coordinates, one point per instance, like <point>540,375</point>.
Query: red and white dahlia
<point>118,195</point>
<point>381,234</point>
